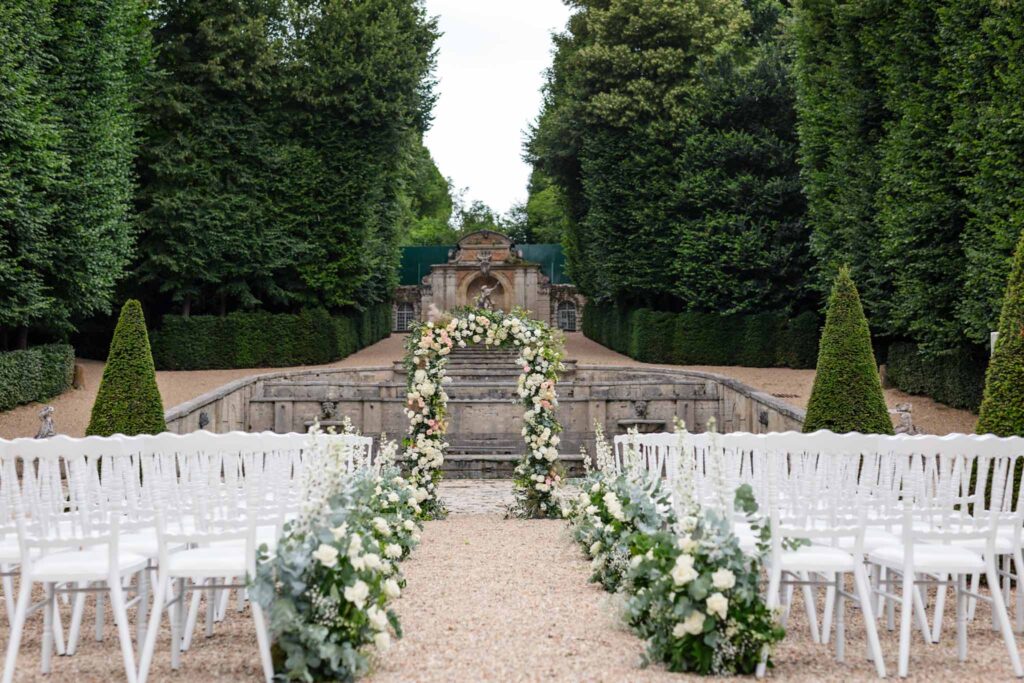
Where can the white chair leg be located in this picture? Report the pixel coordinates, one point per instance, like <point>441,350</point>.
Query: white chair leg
<point>120,610</point>
<point>142,612</point>
<point>191,620</point>
<point>160,599</point>
<point>972,602</point>
<point>906,619</point>
<point>826,613</point>
<point>263,640</point>
<point>811,608</point>
<point>177,609</point>
<point>240,600</point>
<point>840,615</point>
<point>8,588</point>
<point>961,618</point>
<point>922,615</point>
<point>999,610</point>
<point>77,614</point>
<point>58,627</point>
<point>940,607</point>
<point>212,600</point>
<point>17,628</point>
<point>772,602</point>
<point>99,616</point>
<point>890,604</point>
<point>1018,568</point>
<point>49,605</point>
<point>860,580</point>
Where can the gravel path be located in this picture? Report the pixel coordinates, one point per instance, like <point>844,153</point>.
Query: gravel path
<point>490,599</point>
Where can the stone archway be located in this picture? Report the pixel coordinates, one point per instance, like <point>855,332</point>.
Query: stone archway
<point>502,296</point>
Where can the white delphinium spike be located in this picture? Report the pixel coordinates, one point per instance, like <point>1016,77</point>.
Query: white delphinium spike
<point>683,495</point>
<point>631,458</point>
<point>603,451</point>
<point>716,457</point>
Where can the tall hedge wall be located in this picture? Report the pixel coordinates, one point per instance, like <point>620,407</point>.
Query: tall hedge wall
<point>759,340</point>
<point>956,379</point>
<point>261,339</point>
<point>35,374</point>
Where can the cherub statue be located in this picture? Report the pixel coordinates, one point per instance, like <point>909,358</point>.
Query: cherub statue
<point>483,299</point>
<point>46,429</point>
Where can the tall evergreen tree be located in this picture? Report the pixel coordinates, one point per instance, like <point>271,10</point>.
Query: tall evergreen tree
<point>211,235</point>
<point>668,129</point>
<point>847,393</point>
<point>1002,409</point>
<point>360,92</point>
<point>30,167</point>
<point>71,72</point>
<point>128,400</point>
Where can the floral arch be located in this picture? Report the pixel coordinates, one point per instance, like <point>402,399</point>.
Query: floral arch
<point>540,357</point>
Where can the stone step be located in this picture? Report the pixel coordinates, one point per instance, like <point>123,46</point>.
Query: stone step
<point>497,466</point>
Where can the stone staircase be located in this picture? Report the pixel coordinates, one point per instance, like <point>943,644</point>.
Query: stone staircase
<point>481,375</point>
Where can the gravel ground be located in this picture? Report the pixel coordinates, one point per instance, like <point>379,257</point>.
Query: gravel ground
<point>490,599</point>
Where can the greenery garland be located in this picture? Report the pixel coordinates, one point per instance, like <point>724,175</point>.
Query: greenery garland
<point>429,345</point>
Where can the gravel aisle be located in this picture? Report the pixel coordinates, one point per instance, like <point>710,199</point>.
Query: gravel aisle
<point>490,599</point>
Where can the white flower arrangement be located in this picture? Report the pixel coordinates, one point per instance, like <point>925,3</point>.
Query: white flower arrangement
<point>538,476</point>
<point>689,590</point>
<point>328,586</point>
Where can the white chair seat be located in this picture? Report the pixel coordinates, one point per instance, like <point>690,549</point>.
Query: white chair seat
<point>817,558</point>
<point>91,564</point>
<point>264,534</point>
<point>1004,545</point>
<point>931,558</point>
<point>873,538</point>
<point>210,562</point>
<point>10,551</point>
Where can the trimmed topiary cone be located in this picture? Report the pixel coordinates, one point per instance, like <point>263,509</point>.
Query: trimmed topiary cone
<point>847,394</point>
<point>1002,408</point>
<point>128,401</point>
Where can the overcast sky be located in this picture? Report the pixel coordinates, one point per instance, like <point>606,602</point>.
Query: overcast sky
<point>490,67</point>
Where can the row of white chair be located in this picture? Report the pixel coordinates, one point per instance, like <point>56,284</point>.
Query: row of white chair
<point>90,515</point>
<point>932,511</point>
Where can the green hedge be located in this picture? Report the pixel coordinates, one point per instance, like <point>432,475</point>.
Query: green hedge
<point>956,379</point>
<point>35,374</point>
<point>759,340</point>
<point>261,339</point>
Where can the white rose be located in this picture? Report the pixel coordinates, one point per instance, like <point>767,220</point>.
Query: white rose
<point>683,571</point>
<point>595,548</point>
<point>393,550</point>
<point>327,555</point>
<point>392,589</point>
<point>718,604</point>
<point>419,376</point>
<point>382,640</point>
<point>409,525</point>
<point>686,544</point>
<point>372,561</point>
<point>357,594</point>
<point>393,497</point>
<point>355,545</point>
<point>723,579</point>
<point>339,532</point>
<point>381,525</point>
<point>595,488</point>
<point>378,618</point>
<point>693,625</point>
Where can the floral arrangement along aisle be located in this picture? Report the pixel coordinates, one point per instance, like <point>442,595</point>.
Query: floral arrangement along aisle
<point>688,588</point>
<point>429,345</point>
<point>328,585</point>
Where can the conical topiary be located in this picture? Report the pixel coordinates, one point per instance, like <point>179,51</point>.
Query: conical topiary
<point>1002,408</point>
<point>128,401</point>
<point>847,394</point>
